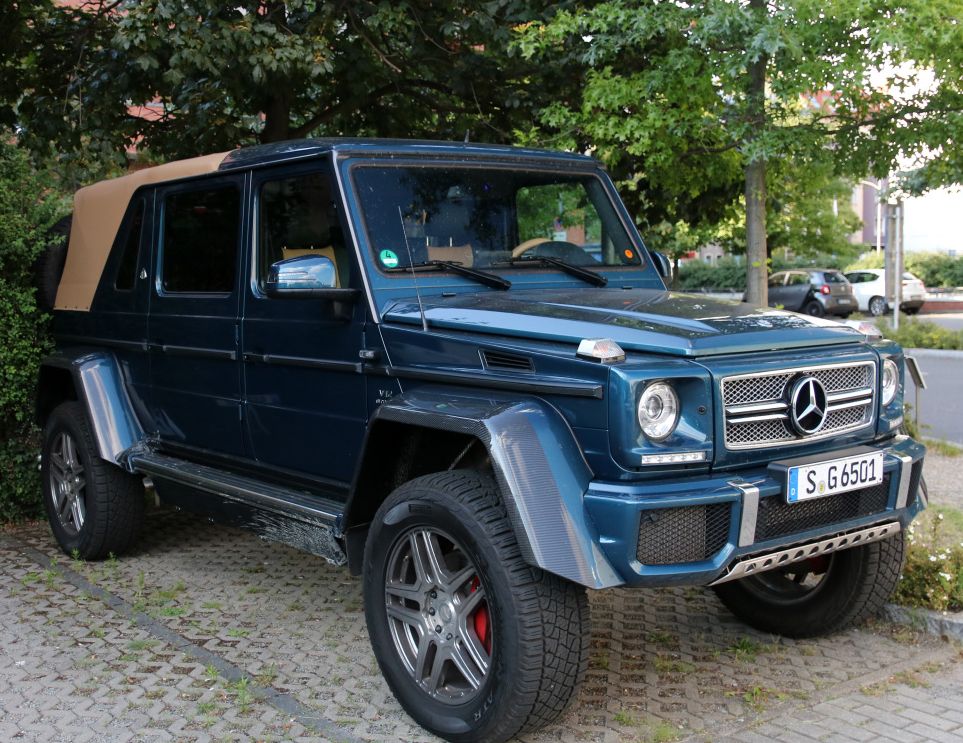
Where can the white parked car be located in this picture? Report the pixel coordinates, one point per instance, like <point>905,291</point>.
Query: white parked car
<point>869,286</point>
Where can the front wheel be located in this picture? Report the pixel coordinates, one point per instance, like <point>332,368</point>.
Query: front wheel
<point>475,643</point>
<point>820,595</point>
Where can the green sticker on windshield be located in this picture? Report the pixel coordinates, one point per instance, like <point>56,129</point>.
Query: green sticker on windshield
<point>388,258</point>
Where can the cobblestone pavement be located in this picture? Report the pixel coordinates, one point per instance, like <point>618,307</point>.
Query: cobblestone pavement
<point>208,633</point>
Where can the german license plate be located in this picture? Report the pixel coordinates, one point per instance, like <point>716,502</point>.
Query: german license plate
<point>836,476</point>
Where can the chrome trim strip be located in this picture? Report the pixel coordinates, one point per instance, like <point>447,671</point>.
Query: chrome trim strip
<point>906,472</point>
<point>760,407</point>
<point>861,403</point>
<point>750,512</point>
<point>849,394</point>
<point>758,418</point>
<point>779,558</point>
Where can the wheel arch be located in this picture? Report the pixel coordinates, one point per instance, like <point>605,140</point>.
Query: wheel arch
<point>527,446</point>
<point>95,380</point>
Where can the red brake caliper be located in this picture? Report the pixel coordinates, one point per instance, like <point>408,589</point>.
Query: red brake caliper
<point>482,620</point>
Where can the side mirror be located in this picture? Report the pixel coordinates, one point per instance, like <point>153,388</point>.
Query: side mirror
<point>662,264</point>
<point>306,276</point>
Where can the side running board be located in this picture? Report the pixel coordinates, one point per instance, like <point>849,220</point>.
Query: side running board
<point>292,517</point>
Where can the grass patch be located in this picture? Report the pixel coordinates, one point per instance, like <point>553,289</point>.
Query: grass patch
<point>933,575</point>
<point>916,333</point>
<point>943,448</point>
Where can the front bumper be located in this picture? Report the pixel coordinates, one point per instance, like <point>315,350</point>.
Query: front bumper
<point>696,530</point>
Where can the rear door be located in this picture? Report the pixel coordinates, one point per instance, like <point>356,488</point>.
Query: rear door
<point>193,325</point>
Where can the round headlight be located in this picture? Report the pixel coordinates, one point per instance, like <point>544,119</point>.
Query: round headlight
<point>890,381</point>
<point>658,411</point>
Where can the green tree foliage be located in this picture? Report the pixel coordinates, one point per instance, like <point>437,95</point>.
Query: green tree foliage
<point>226,74</point>
<point>665,96</point>
<point>27,209</point>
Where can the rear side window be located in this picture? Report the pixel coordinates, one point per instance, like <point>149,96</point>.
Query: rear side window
<point>200,240</point>
<point>127,269</point>
<point>834,277</point>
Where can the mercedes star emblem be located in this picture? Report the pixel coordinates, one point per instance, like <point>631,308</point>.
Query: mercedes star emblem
<point>807,405</point>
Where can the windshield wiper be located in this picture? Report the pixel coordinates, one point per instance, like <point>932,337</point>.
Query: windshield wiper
<point>482,277</point>
<point>570,268</point>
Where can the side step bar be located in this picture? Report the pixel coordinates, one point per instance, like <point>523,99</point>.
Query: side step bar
<point>772,560</point>
<point>277,513</point>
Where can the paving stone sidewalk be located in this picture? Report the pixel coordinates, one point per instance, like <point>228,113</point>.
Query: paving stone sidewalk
<point>208,633</point>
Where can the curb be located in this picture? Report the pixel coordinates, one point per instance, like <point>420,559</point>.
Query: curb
<point>949,626</point>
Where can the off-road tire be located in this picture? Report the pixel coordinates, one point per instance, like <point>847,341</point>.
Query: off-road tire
<point>877,306</point>
<point>813,308</point>
<point>113,499</point>
<point>856,585</point>
<point>49,267</point>
<point>539,622</point>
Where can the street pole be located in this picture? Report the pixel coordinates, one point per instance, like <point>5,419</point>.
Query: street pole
<point>879,218</point>
<point>898,262</point>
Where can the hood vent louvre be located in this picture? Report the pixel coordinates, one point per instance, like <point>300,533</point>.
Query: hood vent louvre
<point>501,361</point>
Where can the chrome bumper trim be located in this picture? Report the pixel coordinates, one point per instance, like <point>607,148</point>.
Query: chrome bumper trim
<point>906,471</point>
<point>772,560</point>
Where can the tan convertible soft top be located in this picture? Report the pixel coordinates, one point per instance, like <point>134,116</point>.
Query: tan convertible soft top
<point>98,211</point>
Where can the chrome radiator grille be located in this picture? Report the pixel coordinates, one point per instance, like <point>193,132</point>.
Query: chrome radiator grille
<point>757,406</point>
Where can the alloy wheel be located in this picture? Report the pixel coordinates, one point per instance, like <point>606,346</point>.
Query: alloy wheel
<point>438,615</point>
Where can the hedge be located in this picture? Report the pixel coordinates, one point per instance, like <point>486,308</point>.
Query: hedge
<point>28,207</point>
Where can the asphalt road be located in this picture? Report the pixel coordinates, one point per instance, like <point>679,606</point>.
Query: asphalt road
<point>941,403</point>
<point>948,320</point>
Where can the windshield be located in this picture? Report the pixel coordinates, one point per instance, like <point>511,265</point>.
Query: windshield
<point>485,217</point>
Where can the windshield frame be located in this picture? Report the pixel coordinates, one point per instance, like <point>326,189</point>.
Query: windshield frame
<point>644,270</point>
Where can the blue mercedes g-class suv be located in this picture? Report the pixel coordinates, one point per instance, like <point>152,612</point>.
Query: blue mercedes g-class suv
<point>456,369</point>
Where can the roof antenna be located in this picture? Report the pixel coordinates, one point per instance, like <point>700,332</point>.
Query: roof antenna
<point>467,132</point>
<point>414,273</point>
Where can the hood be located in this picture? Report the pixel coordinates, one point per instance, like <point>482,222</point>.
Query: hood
<point>637,319</point>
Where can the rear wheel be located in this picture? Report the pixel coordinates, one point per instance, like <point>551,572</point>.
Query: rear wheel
<point>911,310</point>
<point>814,308</point>
<point>475,643</point>
<point>821,595</point>
<point>94,507</point>
<point>877,306</point>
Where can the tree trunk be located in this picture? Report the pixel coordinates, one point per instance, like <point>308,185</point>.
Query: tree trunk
<point>756,254</point>
<point>277,118</point>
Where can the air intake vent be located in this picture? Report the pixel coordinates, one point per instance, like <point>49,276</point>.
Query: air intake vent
<point>501,361</point>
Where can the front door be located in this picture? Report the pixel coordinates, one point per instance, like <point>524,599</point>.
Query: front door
<point>193,325</point>
<point>304,393</point>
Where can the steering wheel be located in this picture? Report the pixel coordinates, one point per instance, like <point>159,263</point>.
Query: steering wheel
<point>565,251</point>
<point>528,245</point>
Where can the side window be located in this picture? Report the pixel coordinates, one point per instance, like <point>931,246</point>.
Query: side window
<point>777,279</point>
<point>796,279</point>
<point>297,216</point>
<point>127,268</point>
<point>200,240</point>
